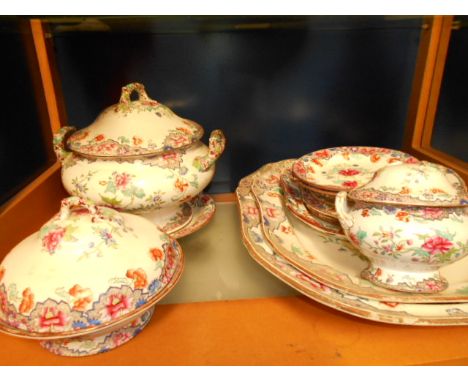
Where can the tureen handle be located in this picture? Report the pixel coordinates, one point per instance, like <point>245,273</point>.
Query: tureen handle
<point>341,206</point>
<point>59,142</point>
<point>127,91</point>
<point>74,201</point>
<point>215,149</point>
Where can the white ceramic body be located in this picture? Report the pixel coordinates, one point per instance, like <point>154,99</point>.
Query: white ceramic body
<point>152,183</point>
<point>406,245</point>
<point>87,268</point>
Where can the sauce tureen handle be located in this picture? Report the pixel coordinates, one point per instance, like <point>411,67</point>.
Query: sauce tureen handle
<point>341,206</point>
<point>216,146</point>
<point>59,142</point>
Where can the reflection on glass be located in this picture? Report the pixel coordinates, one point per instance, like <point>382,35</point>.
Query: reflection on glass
<point>279,87</point>
<point>23,153</point>
<point>450,134</point>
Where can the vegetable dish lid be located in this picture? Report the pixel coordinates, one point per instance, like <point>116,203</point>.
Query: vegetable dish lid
<point>87,267</point>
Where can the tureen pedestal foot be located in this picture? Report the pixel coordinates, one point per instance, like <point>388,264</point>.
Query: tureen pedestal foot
<point>170,219</point>
<point>100,342</point>
<point>426,281</point>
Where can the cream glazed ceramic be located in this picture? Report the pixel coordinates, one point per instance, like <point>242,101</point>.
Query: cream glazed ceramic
<point>425,314</point>
<point>331,259</point>
<point>87,270</point>
<point>203,209</point>
<point>410,220</point>
<point>345,168</point>
<point>138,156</point>
<point>294,201</point>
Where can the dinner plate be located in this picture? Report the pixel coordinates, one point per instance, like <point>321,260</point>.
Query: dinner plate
<point>395,313</point>
<point>333,260</point>
<point>345,168</point>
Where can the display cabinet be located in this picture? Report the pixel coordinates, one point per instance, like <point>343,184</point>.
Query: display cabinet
<point>227,309</point>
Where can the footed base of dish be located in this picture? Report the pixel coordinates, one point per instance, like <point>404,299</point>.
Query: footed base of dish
<point>170,219</point>
<point>99,343</point>
<point>404,281</point>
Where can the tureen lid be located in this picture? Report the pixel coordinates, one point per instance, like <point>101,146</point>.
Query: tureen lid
<point>415,184</point>
<point>87,267</point>
<point>142,127</point>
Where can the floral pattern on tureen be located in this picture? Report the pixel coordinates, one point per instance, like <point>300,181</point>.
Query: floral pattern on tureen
<point>421,313</point>
<point>425,184</point>
<point>410,220</point>
<point>137,156</point>
<point>88,266</point>
<point>109,135</point>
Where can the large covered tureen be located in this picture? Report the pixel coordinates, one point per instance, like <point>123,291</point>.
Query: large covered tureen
<point>138,156</point>
<point>88,280</point>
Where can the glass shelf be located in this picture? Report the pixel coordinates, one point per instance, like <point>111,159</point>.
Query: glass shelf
<point>218,267</point>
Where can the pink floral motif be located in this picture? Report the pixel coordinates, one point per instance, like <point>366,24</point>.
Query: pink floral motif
<point>432,285</point>
<point>437,245</point>
<point>122,180</point>
<point>117,303</point>
<point>52,317</point>
<point>354,238</point>
<point>121,338</point>
<point>433,213</point>
<point>350,183</point>
<point>411,160</point>
<point>349,172</point>
<point>52,239</point>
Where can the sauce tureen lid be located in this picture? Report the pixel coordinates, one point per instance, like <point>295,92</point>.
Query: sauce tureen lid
<point>143,127</point>
<point>87,268</point>
<point>415,184</point>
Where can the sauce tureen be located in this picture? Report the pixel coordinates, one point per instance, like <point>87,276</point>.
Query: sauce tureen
<point>410,220</point>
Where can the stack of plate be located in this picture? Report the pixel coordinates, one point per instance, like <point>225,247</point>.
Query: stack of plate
<point>316,259</point>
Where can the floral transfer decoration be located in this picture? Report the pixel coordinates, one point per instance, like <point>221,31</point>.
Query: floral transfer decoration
<point>367,308</point>
<point>336,262</point>
<point>99,343</point>
<point>79,307</point>
<point>345,168</point>
<point>419,184</point>
<point>168,131</point>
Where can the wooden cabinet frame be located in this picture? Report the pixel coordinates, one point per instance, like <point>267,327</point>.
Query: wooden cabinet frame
<point>430,65</point>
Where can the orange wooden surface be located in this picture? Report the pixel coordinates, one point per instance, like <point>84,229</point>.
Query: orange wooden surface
<point>271,331</point>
